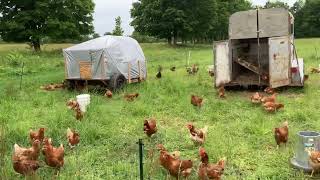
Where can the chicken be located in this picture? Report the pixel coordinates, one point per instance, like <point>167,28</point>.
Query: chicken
<point>150,127</point>
<point>73,138</point>
<point>25,167</point>
<point>207,170</point>
<point>256,98</point>
<point>272,106</point>
<point>131,97</point>
<point>54,157</point>
<point>314,160</point>
<point>31,153</point>
<point>49,87</point>
<point>281,134</point>
<point>159,75</point>
<point>305,78</point>
<point>174,154</point>
<point>108,94</point>
<point>72,104</point>
<point>271,98</point>
<point>211,70</point>
<point>78,114</point>
<point>197,136</point>
<point>174,166</point>
<point>196,101</point>
<point>173,68</point>
<point>221,92</point>
<point>194,68</point>
<point>315,70</point>
<point>36,135</point>
<point>269,90</point>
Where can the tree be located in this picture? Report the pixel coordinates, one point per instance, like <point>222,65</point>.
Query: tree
<point>118,31</point>
<point>31,21</point>
<point>307,20</point>
<point>107,33</point>
<point>276,4</point>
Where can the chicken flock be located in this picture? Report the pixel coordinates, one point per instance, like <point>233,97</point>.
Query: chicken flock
<point>26,160</point>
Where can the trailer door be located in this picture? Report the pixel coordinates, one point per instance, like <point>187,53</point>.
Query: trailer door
<point>279,61</point>
<point>222,64</point>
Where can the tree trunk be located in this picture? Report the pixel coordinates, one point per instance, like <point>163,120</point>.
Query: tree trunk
<point>175,37</point>
<point>169,40</point>
<point>36,45</point>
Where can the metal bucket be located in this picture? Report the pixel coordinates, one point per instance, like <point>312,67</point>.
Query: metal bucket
<point>306,140</point>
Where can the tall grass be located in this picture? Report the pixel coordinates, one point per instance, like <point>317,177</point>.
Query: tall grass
<point>238,130</point>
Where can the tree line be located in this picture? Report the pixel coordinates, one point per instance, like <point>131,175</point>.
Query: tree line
<point>207,20</point>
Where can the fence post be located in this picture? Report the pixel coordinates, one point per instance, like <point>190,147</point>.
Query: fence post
<point>141,158</point>
<point>21,75</point>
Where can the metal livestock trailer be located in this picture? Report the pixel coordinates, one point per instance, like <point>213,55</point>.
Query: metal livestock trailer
<point>260,51</point>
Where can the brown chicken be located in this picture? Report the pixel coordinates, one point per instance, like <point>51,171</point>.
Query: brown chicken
<point>72,104</point>
<point>197,136</point>
<point>54,157</point>
<point>73,138</point>
<point>271,98</point>
<point>207,170</point>
<point>50,87</point>
<point>196,101</point>
<point>25,167</point>
<point>272,106</point>
<point>221,92</point>
<point>150,127</point>
<point>31,153</point>
<point>37,135</point>
<point>314,160</point>
<point>256,98</point>
<point>174,166</point>
<point>281,134</point>
<point>305,78</point>
<point>108,94</point>
<point>269,90</point>
<point>78,114</point>
<point>131,97</point>
<point>315,70</point>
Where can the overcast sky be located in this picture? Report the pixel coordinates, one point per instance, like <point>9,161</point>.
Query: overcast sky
<point>107,10</point>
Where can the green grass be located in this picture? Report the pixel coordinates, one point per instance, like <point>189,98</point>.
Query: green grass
<point>238,130</point>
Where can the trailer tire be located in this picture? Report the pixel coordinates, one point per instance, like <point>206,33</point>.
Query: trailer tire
<point>117,82</point>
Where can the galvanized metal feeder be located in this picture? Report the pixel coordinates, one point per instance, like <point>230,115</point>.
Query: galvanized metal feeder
<point>260,51</point>
<point>307,140</point>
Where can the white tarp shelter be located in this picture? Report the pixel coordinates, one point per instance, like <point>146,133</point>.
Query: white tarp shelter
<point>101,58</point>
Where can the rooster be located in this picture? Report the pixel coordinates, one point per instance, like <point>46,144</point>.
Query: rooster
<point>207,170</point>
<point>36,135</point>
<point>281,134</point>
<point>197,136</point>
<point>221,92</point>
<point>108,94</point>
<point>150,127</point>
<point>272,107</point>
<point>131,97</point>
<point>196,101</point>
<point>256,98</point>
<point>73,138</point>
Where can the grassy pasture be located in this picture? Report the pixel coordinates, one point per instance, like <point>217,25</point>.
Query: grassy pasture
<point>238,130</point>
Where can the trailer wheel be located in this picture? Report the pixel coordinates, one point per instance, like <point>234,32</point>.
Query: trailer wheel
<point>117,82</point>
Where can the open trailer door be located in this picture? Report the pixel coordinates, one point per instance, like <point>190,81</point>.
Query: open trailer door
<point>279,61</point>
<point>222,64</point>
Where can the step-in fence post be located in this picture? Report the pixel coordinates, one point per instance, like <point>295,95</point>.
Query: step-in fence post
<point>141,158</point>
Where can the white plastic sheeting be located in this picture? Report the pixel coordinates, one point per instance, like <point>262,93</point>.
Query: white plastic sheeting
<point>106,55</point>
